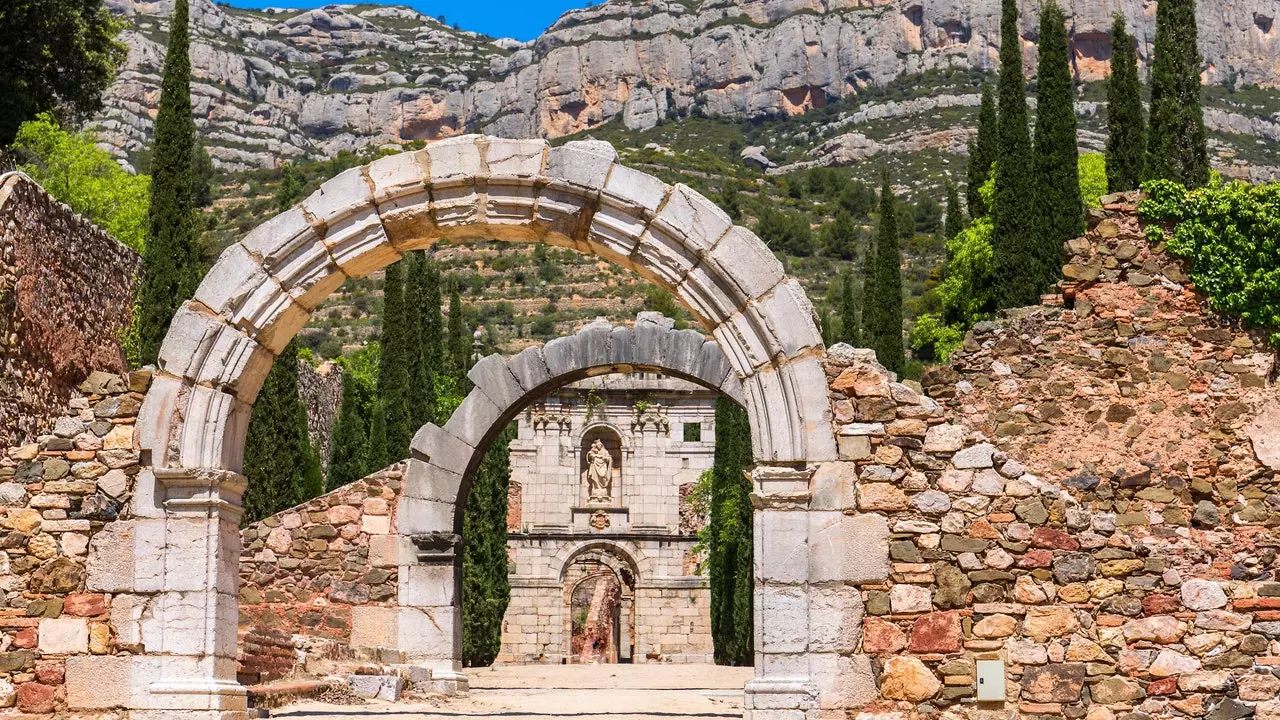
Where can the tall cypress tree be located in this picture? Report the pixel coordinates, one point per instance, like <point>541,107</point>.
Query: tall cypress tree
<point>1059,206</point>
<point>955,220</point>
<point>486,590</point>
<point>349,460</point>
<point>422,306</point>
<point>730,538</point>
<point>1126,126</point>
<point>393,368</point>
<point>459,339</point>
<point>982,152</point>
<point>850,324</point>
<point>882,318</point>
<point>1013,225</point>
<point>276,448</point>
<point>172,257</point>
<point>1176,143</point>
<point>379,458</point>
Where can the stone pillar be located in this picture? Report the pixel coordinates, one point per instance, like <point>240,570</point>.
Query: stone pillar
<point>430,615</point>
<point>782,688</point>
<point>196,610</point>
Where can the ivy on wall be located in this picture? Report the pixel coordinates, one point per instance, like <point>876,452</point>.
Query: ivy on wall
<point>1230,233</point>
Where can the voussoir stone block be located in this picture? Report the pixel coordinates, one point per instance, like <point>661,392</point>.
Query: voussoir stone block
<point>529,368</point>
<point>563,356</point>
<point>438,447</point>
<point>340,196</point>
<point>455,160</point>
<point>622,346</point>
<point>694,218</point>
<point>290,249</point>
<point>415,516</point>
<point>201,348</point>
<point>515,158</point>
<point>473,419</point>
<point>747,261</point>
<point>396,176</point>
<point>790,318</point>
<point>584,164</point>
<point>431,482</point>
<point>213,430</point>
<point>710,295</point>
<point>493,378</point>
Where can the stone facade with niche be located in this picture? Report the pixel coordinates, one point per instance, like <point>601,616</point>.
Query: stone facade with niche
<point>656,435</point>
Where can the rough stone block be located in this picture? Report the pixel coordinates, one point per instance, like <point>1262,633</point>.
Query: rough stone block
<point>835,619</point>
<point>380,687</point>
<point>101,681</point>
<point>782,537</point>
<point>844,682</point>
<point>416,516</point>
<point>427,586</point>
<point>868,561</point>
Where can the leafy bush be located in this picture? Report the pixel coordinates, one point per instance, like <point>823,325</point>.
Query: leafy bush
<point>786,232</point>
<point>71,168</point>
<point>1231,235</point>
<point>1093,178</point>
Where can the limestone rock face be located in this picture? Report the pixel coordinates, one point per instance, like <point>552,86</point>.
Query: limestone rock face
<point>275,85</point>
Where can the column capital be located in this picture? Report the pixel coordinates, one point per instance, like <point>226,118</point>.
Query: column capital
<point>782,487</point>
<point>201,491</point>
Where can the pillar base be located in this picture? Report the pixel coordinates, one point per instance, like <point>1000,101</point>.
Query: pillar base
<point>449,682</point>
<point>779,699</point>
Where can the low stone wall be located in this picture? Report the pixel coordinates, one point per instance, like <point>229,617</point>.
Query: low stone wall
<point>57,495</point>
<point>303,571</point>
<point>66,292</point>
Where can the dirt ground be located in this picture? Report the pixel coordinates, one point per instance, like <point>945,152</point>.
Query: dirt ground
<point>583,692</point>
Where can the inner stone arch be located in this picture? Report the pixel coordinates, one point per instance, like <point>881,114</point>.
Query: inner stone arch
<point>263,289</point>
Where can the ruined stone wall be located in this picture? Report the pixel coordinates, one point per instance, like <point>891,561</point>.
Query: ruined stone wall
<point>66,291</point>
<point>321,391</point>
<point>57,496</point>
<point>303,571</point>
<point>1092,498</point>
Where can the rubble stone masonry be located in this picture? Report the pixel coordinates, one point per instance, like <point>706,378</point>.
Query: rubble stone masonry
<point>66,289</point>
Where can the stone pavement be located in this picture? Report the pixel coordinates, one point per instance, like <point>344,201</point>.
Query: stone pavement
<point>583,692</point>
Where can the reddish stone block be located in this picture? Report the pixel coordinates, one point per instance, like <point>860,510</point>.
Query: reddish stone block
<point>26,638</point>
<point>1044,537</point>
<point>85,604</point>
<point>51,673</point>
<point>879,637</point>
<point>936,633</point>
<point>1036,559</point>
<point>983,529</point>
<point>36,698</point>
<point>1160,604</point>
<point>1163,686</point>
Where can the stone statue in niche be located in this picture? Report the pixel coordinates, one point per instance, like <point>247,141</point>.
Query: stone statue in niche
<point>599,473</point>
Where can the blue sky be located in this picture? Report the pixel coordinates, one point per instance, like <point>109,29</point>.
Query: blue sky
<point>523,20</point>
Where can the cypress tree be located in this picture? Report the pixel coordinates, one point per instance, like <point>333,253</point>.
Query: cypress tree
<point>277,451</point>
<point>955,220</point>
<point>393,368</point>
<point>1176,144</point>
<point>459,340</point>
<point>349,460</point>
<point>378,456</point>
<point>422,306</point>
<point>1059,206</point>
<point>840,237</point>
<point>486,590</point>
<point>982,152</point>
<point>882,319</point>
<point>730,538</point>
<point>172,257</point>
<point>850,329</point>
<point>1013,226</point>
<point>1126,127</point>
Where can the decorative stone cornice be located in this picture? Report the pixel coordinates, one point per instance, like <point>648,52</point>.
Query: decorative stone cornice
<point>781,487</point>
<point>201,491</point>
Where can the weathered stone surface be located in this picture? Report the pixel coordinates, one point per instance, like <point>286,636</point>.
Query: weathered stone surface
<point>1203,595</point>
<point>936,633</point>
<point>906,678</point>
<point>1053,683</point>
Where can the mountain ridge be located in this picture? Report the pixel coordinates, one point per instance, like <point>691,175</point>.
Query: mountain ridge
<point>271,86</point>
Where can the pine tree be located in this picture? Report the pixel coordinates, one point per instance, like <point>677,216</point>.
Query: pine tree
<point>1126,126</point>
<point>850,323</point>
<point>422,306</point>
<point>349,459</point>
<point>982,152</point>
<point>882,294</point>
<point>277,451</point>
<point>1059,206</point>
<point>1013,231</point>
<point>955,220</point>
<point>730,538</point>
<point>486,590</point>
<point>840,237</point>
<point>393,368</point>
<point>1176,144</point>
<point>172,257</point>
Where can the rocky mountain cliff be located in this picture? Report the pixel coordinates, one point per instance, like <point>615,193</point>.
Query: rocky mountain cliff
<point>279,84</point>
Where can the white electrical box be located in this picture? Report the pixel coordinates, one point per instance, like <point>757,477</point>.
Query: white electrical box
<point>990,679</point>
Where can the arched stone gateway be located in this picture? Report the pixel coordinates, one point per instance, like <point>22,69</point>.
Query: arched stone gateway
<point>184,542</point>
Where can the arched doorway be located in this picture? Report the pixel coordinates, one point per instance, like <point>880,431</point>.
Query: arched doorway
<point>262,290</point>
<point>600,601</point>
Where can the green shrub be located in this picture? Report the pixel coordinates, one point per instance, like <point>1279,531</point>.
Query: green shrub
<point>1230,233</point>
<point>73,169</point>
<point>1093,178</point>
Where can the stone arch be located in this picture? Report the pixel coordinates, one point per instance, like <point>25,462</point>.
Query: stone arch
<point>262,290</point>
<point>611,552</point>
